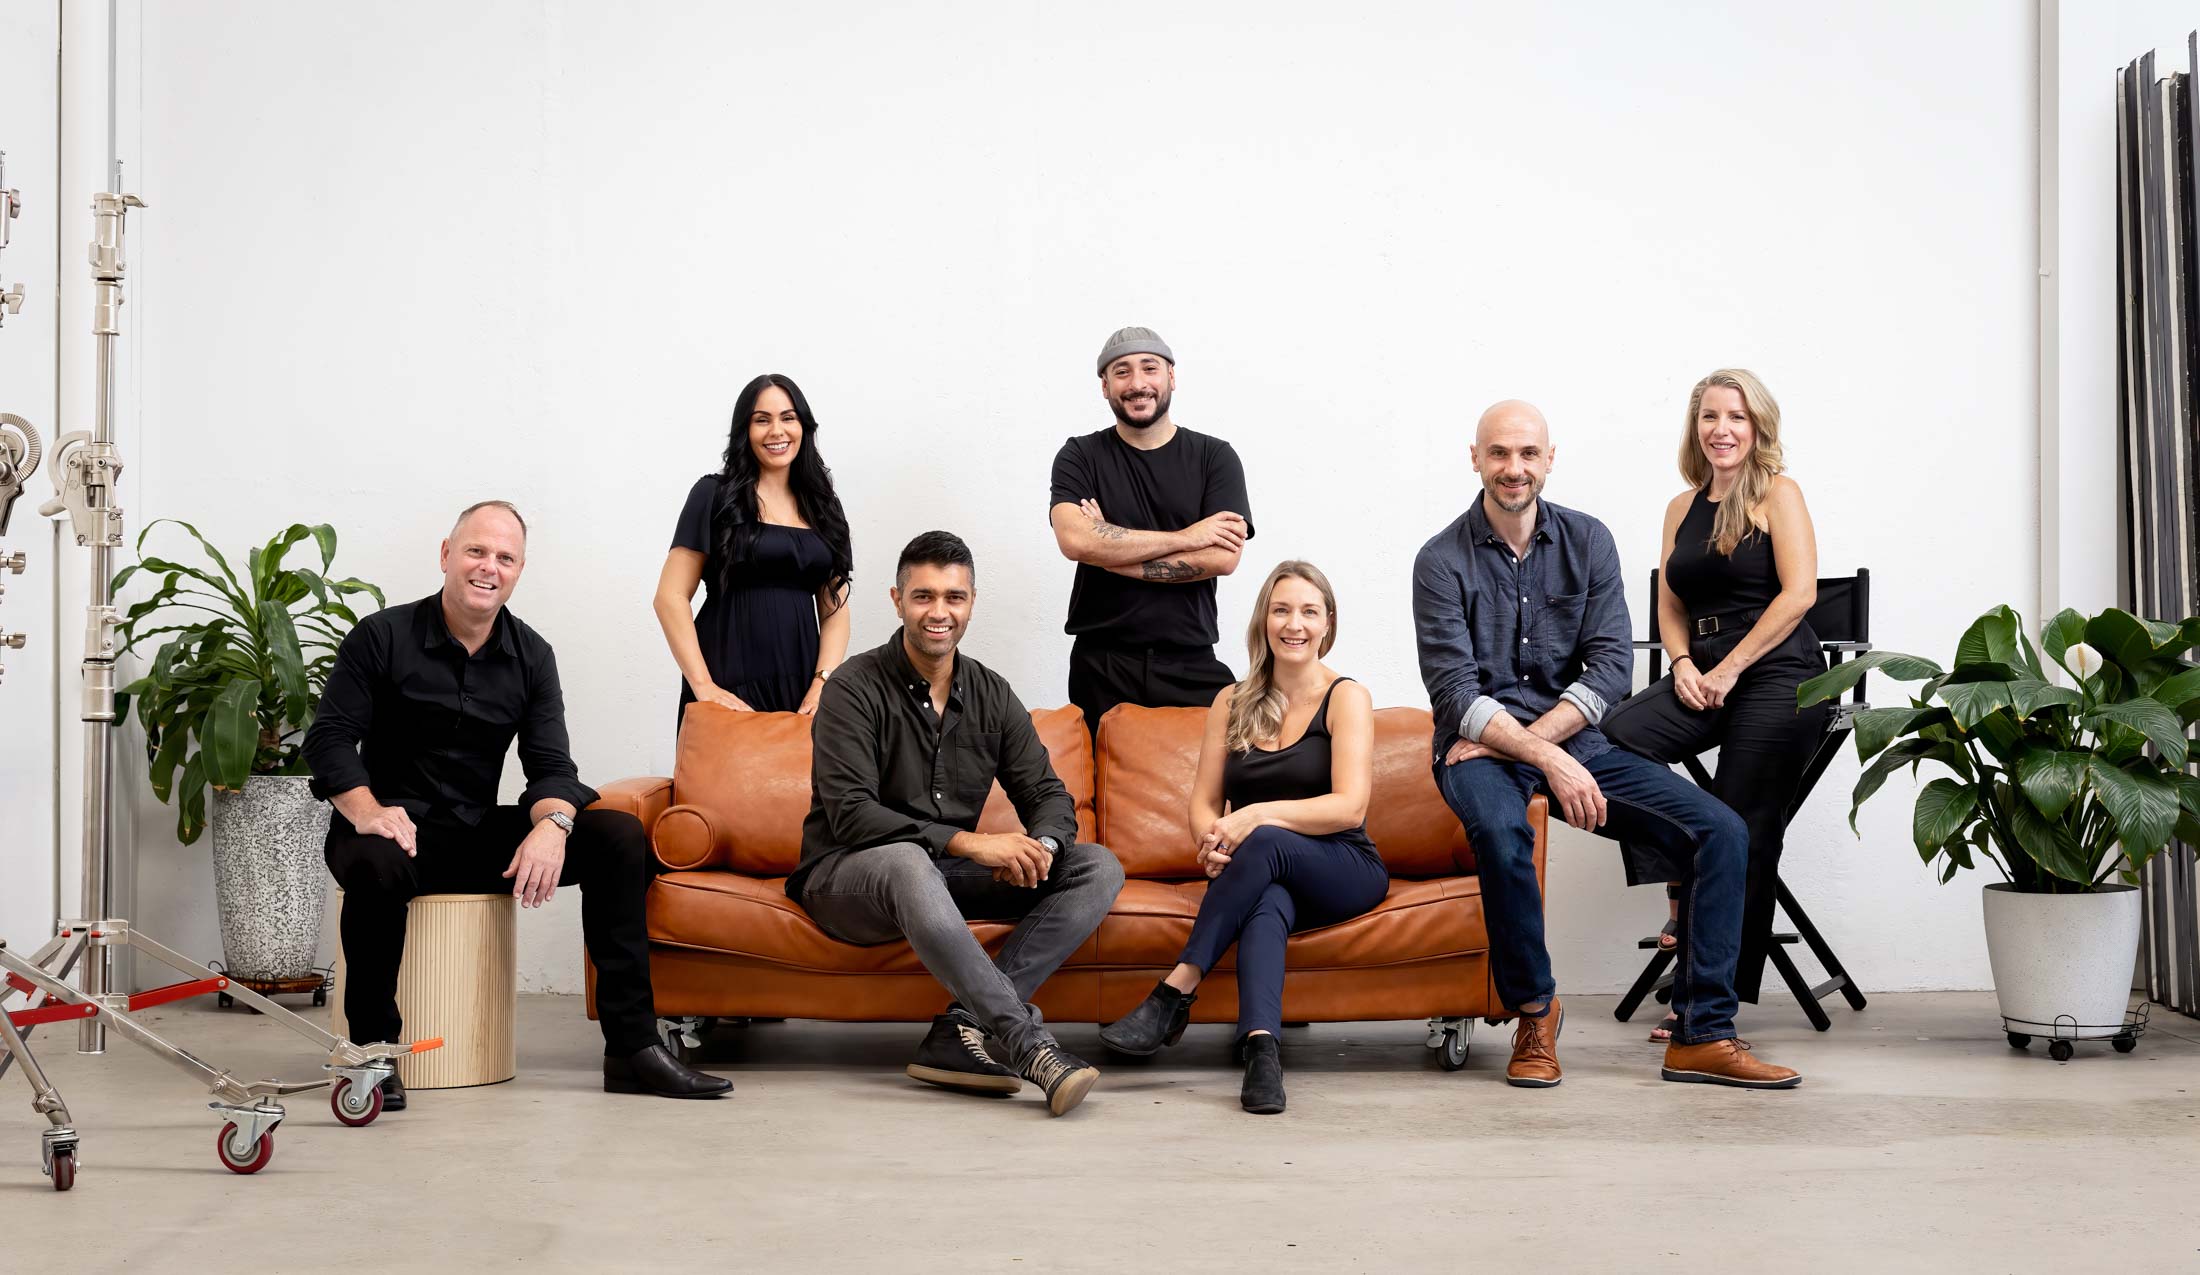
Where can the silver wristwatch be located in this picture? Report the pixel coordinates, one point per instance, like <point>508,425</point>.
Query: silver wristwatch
<point>1053,846</point>
<point>563,820</point>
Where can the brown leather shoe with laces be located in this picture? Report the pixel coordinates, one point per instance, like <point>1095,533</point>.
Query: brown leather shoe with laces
<point>1725,1062</point>
<point>1534,1062</point>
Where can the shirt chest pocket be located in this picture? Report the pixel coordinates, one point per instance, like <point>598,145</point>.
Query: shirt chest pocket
<point>971,761</point>
<point>1558,626</point>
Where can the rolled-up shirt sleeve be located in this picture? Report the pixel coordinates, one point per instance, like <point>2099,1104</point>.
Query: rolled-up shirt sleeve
<point>345,712</point>
<point>1607,636</point>
<point>545,751</point>
<point>1446,645</point>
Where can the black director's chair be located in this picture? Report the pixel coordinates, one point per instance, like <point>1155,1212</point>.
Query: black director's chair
<point>1842,621</point>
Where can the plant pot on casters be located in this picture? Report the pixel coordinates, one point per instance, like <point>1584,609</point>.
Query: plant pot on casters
<point>2061,787</point>
<point>224,705</point>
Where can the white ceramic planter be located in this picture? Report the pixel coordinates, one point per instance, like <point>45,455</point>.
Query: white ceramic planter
<point>2063,958</point>
<point>269,875</point>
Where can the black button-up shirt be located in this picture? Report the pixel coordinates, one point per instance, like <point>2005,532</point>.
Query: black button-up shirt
<point>425,726</point>
<point>885,768</point>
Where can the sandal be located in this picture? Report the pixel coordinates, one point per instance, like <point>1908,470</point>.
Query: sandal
<point>1662,1034</point>
<point>1669,933</point>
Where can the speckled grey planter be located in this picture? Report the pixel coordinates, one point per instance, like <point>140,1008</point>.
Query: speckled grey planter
<point>269,876</point>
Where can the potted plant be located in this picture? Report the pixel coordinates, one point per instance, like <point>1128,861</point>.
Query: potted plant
<point>2067,789</point>
<point>225,705</point>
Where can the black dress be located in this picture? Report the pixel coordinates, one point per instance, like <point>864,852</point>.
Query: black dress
<point>759,636</point>
<point>1763,741</point>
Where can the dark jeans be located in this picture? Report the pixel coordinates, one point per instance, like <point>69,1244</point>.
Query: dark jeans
<point>1103,674</point>
<point>900,891</point>
<point>1278,882</point>
<point>607,856</point>
<point>1643,802</point>
<point>1763,744</point>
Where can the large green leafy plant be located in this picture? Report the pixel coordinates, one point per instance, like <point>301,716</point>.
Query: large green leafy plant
<point>2060,786</point>
<point>231,691</point>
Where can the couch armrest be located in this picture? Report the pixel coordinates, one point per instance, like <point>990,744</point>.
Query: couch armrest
<point>690,838</point>
<point>645,798</point>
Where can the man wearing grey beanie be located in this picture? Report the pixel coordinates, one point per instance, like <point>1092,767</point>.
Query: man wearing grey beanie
<point>1152,514</point>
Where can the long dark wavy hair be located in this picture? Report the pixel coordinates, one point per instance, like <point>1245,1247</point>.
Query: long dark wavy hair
<point>736,524</point>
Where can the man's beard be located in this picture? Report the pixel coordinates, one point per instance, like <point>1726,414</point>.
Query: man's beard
<point>1160,411</point>
<point>1497,497</point>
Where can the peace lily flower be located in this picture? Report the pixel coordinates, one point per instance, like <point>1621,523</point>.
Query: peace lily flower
<point>2083,660</point>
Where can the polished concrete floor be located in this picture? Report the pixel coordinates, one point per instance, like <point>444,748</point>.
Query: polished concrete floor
<point>1920,1141</point>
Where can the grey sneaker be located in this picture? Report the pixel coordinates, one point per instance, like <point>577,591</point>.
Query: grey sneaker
<point>1061,1075</point>
<point>953,1056</point>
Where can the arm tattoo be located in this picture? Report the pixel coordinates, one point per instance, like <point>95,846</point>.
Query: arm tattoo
<point>1108,530</point>
<point>1173,572</point>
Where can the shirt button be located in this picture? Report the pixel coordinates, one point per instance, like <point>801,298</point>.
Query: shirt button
<point>938,797</point>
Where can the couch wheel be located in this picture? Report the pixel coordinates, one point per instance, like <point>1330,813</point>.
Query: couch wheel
<point>2061,1050</point>
<point>1452,1054</point>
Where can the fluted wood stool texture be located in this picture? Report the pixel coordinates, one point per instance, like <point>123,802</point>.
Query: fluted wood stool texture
<point>460,981</point>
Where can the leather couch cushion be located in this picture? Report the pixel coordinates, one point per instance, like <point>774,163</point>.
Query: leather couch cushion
<point>1149,757</point>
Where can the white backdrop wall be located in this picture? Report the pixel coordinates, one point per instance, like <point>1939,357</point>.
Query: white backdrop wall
<point>403,258</point>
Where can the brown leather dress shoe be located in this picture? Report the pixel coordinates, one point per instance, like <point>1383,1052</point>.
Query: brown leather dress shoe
<point>1725,1062</point>
<point>1534,1062</point>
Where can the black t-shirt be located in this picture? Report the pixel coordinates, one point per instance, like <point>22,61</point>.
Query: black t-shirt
<point>1190,477</point>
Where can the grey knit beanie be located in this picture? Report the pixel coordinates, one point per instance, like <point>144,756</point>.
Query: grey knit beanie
<point>1133,341</point>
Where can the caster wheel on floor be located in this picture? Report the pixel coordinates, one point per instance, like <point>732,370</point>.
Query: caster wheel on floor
<point>2018,1040</point>
<point>247,1159</point>
<point>1452,1055</point>
<point>63,1170</point>
<point>2125,1044</point>
<point>320,997</point>
<point>350,1108</point>
<point>224,1000</point>
<point>2061,1050</point>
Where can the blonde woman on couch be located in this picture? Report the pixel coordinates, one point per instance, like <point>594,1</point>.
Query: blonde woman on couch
<point>1280,814</point>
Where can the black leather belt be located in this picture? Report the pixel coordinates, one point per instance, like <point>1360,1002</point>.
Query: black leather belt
<point>1711,625</point>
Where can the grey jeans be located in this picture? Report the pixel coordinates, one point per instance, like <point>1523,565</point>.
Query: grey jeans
<point>900,891</point>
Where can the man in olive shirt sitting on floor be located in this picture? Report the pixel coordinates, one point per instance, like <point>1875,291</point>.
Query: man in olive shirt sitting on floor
<point>905,746</point>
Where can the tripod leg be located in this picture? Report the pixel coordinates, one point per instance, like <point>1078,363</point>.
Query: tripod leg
<point>1818,947</point>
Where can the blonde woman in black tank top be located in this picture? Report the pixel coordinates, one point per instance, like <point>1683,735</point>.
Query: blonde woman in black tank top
<point>1738,574</point>
<point>1279,812</point>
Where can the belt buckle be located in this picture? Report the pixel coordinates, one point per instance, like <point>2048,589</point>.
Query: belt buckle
<point>1707,626</point>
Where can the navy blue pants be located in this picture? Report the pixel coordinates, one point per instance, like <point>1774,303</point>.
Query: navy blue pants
<point>1278,882</point>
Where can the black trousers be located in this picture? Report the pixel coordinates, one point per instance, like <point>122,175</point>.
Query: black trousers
<point>1763,744</point>
<point>607,856</point>
<point>1104,674</point>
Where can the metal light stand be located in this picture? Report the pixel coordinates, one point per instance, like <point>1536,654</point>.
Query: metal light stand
<point>86,467</point>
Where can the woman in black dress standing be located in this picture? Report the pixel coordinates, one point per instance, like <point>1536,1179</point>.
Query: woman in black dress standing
<point>1279,808</point>
<point>767,537</point>
<point>1740,573</point>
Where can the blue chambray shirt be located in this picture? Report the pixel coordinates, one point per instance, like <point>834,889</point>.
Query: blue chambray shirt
<point>1497,633</point>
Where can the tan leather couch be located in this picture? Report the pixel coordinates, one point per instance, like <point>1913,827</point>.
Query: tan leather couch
<point>727,826</point>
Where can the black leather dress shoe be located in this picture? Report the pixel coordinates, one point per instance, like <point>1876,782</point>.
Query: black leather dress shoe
<point>1159,1020</point>
<point>393,1093</point>
<point>656,1071</point>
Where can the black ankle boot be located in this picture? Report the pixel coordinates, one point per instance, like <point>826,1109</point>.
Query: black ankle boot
<point>1263,1091</point>
<point>1159,1020</point>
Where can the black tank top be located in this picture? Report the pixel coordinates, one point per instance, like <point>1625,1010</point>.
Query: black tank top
<point>1712,583</point>
<point>1288,774</point>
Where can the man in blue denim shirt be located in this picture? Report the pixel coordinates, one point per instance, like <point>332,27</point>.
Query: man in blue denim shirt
<point>1524,640</point>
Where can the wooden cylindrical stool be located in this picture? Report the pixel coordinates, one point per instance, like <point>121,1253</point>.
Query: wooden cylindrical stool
<point>459,980</point>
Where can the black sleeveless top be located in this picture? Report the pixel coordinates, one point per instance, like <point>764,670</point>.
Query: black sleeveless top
<point>1289,774</point>
<point>1712,583</point>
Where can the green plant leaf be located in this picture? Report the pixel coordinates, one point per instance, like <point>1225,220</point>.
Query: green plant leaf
<point>1908,752</point>
<point>1878,727</point>
<point>2066,630</point>
<point>1943,807</point>
<point>2052,779</point>
<point>2131,641</point>
<point>1838,680</point>
<point>2028,695</point>
<point>235,590</point>
<point>1992,638</point>
<point>165,760</point>
<point>2188,789</point>
<point>2043,843</point>
<point>2149,717</point>
<point>324,536</point>
<point>232,733</point>
<point>2181,692</point>
<point>283,653</point>
<point>1973,702</point>
<point>2143,805</point>
<point>350,585</point>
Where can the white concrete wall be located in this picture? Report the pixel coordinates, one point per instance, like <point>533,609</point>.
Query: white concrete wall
<point>401,261</point>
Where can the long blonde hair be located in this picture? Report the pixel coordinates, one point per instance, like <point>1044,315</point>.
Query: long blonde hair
<point>1256,706</point>
<point>1742,509</point>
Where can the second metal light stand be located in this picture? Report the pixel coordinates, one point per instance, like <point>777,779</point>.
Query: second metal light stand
<point>86,466</point>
